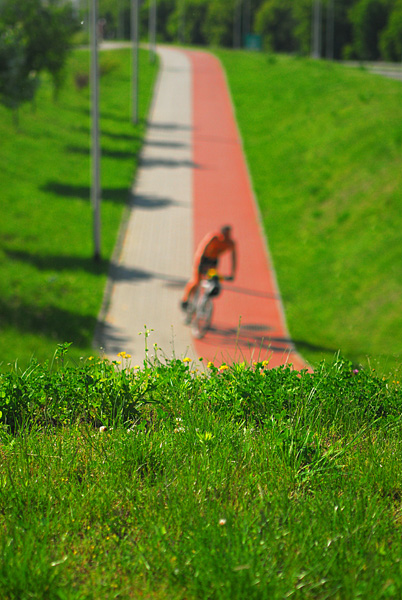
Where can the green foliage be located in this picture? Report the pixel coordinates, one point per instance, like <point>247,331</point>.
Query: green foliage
<point>64,394</point>
<point>391,36</point>
<point>368,18</point>
<point>290,489</point>
<point>18,83</point>
<point>274,21</point>
<point>96,392</point>
<point>46,30</point>
<point>349,29</point>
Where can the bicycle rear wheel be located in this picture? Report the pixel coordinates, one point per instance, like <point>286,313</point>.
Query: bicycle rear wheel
<point>191,308</point>
<point>202,318</point>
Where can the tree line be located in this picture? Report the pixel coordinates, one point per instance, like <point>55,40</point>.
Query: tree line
<point>35,36</point>
<point>346,29</point>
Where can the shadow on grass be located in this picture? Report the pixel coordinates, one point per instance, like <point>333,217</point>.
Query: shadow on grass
<point>57,262</point>
<point>85,151</point>
<point>67,190</point>
<point>51,322</point>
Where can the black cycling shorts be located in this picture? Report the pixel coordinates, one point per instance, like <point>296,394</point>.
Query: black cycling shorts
<point>206,264</point>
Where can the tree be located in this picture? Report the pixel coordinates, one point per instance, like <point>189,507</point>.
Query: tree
<point>46,29</point>
<point>391,37</point>
<point>275,22</point>
<point>18,82</point>
<point>219,22</point>
<point>186,22</point>
<point>368,18</point>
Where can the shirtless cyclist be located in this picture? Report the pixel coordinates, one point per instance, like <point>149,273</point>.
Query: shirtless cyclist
<point>207,256</point>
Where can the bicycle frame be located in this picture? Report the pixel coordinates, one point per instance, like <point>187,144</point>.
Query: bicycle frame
<point>200,307</point>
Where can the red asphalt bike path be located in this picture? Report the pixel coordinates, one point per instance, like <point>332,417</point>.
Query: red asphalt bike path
<point>248,322</point>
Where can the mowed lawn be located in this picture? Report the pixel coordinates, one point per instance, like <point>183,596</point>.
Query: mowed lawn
<point>50,287</point>
<point>324,148</point>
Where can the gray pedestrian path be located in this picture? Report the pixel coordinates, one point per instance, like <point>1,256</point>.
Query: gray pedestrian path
<point>153,259</point>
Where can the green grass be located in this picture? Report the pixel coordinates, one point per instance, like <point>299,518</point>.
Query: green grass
<point>225,483</point>
<point>50,288</point>
<point>324,148</point>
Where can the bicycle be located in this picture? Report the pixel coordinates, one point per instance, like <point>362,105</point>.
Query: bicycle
<point>200,305</point>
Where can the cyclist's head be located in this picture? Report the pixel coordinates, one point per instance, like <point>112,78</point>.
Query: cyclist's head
<point>226,230</point>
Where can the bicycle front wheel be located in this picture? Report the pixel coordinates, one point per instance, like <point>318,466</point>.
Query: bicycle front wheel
<point>202,318</point>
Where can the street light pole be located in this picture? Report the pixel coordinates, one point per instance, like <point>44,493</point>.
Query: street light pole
<point>237,24</point>
<point>95,143</point>
<point>152,30</point>
<point>316,29</point>
<point>330,29</point>
<point>134,39</point>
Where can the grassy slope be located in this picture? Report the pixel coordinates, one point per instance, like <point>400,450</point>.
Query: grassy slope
<point>50,289</point>
<point>230,484</point>
<point>324,148</point>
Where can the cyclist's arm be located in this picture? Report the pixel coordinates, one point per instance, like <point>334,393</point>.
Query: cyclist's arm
<point>234,263</point>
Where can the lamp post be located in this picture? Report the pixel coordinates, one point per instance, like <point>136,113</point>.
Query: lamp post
<point>152,30</point>
<point>95,145</point>
<point>316,29</point>
<point>237,24</point>
<point>330,30</point>
<point>134,39</point>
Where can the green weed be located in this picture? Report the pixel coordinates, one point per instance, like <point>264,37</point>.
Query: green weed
<point>292,489</point>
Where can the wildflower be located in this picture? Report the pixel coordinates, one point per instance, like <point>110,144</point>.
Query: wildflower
<point>265,363</point>
<point>222,522</point>
<point>355,371</point>
<point>223,367</point>
<point>102,429</point>
<point>210,364</point>
<point>187,359</point>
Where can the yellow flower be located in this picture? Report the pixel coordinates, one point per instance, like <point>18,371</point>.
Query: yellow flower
<point>187,359</point>
<point>210,364</point>
<point>223,367</point>
<point>265,363</point>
